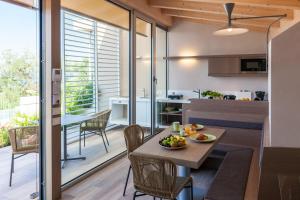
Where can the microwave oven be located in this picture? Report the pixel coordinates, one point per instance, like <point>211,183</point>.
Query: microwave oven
<point>253,65</point>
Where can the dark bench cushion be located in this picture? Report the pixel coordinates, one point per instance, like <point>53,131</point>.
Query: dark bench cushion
<point>231,178</point>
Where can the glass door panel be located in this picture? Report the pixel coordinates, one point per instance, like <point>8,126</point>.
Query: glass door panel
<point>143,74</point>
<point>19,100</point>
<point>161,76</point>
<point>95,85</point>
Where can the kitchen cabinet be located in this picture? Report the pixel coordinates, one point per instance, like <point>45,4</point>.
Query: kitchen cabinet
<point>231,66</point>
<point>223,66</point>
<point>164,117</point>
<point>120,112</point>
<point>143,117</point>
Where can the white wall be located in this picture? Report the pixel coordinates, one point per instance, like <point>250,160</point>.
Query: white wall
<point>186,38</point>
<point>285,87</point>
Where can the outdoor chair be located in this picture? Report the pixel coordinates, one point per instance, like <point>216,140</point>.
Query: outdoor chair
<point>97,126</point>
<point>157,177</point>
<point>24,140</point>
<point>134,137</point>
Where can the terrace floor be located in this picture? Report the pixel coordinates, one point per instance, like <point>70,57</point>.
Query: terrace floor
<point>25,177</point>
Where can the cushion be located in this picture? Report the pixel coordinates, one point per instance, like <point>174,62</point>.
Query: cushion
<point>231,178</point>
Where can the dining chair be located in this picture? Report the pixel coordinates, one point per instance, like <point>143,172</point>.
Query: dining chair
<point>134,137</point>
<point>97,126</point>
<point>157,177</point>
<point>23,140</point>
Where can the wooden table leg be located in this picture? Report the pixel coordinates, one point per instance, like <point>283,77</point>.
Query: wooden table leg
<point>184,172</point>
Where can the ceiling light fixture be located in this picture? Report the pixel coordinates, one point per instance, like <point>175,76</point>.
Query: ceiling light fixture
<point>230,29</point>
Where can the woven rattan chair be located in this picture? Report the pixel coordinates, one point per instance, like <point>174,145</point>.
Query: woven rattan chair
<point>96,125</point>
<point>24,140</point>
<point>157,177</point>
<point>134,137</point>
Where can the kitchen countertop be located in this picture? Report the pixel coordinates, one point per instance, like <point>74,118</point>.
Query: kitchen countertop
<point>163,100</point>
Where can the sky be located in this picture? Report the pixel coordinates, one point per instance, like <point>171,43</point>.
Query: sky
<point>18,28</point>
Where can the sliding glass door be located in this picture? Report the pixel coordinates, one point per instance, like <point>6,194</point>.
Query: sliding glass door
<point>143,74</point>
<point>95,84</point>
<point>161,80</point>
<point>151,75</point>
<point>100,79</point>
<point>19,100</point>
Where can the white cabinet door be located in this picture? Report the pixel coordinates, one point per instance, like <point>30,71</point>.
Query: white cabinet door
<point>148,122</point>
<point>141,114</point>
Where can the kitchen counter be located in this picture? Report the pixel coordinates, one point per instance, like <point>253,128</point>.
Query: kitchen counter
<point>166,100</point>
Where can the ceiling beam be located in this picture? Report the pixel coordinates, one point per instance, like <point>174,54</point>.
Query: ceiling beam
<point>25,3</point>
<point>218,17</point>
<point>218,8</point>
<point>143,7</point>
<point>220,24</point>
<point>292,4</point>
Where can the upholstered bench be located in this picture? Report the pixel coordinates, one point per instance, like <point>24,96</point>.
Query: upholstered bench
<point>231,178</point>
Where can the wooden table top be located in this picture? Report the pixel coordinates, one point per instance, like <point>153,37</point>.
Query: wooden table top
<point>192,156</point>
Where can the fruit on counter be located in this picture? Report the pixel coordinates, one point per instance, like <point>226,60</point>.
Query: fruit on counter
<point>173,141</point>
<point>245,99</point>
<point>202,137</point>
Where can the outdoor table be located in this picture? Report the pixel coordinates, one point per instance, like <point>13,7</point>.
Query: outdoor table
<point>68,121</point>
<point>190,157</point>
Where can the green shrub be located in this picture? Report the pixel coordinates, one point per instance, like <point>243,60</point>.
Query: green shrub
<point>4,138</point>
<point>82,98</point>
<point>22,119</point>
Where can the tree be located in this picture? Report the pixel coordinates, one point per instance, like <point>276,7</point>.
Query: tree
<point>18,77</point>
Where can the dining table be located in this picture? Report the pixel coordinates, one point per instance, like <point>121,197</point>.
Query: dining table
<point>190,157</point>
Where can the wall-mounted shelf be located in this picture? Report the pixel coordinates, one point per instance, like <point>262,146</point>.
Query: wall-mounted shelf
<point>214,56</point>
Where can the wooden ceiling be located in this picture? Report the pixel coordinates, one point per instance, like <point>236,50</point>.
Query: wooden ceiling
<point>212,11</point>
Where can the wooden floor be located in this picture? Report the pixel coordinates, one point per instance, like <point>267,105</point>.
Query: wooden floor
<point>108,184</point>
<point>24,178</point>
<point>94,152</point>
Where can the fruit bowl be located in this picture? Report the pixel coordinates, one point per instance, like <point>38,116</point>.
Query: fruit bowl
<point>173,142</point>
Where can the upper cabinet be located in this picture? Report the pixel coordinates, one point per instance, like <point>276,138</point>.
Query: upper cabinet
<point>238,65</point>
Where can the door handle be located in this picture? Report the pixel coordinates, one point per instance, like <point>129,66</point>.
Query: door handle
<point>154,79</point>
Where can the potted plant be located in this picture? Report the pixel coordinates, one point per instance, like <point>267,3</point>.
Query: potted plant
<point>212,94</point>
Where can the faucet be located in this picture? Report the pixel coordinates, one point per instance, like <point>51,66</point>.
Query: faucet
<point>197,92</point>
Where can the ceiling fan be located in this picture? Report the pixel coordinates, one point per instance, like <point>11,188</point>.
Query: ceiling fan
<point>231,29</point>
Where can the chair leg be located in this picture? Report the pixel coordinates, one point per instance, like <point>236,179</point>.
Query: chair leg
<point>128,174</point>
<point>84,138</point>
<point>11,169</point>
<point>192,191</point>
<point>79,143</point>
<point>103,142</point>
<point>106,137</point>
<point>134,195</point>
